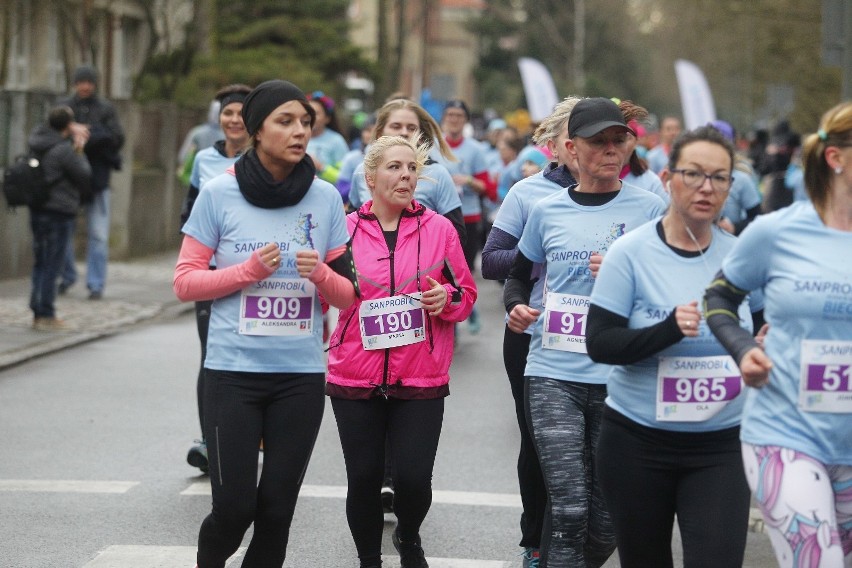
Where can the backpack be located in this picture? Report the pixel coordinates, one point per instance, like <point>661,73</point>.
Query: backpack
<point>24,182</point>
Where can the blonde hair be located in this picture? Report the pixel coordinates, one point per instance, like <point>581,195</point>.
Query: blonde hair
<point>835,129</point>
<point>376,153</point>
<point>556,123</point>
<point>430,131</point>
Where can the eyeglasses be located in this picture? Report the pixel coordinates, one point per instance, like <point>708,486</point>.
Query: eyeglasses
<point>694,179</point>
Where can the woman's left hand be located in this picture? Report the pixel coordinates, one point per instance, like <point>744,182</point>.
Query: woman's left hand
<point>595,260</point>
<point>306,261</point>
<point>435,298</point>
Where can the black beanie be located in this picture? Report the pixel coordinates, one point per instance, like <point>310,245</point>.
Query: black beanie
<point>268,96</point>
<point>85,73</point>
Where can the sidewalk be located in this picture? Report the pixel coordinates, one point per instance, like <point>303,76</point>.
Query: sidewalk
<point>136,290</point>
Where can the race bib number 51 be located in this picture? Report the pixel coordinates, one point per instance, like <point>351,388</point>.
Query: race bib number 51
<point>825,381</point>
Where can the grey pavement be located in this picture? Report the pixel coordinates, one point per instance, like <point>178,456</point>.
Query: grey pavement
<point>136,290</point>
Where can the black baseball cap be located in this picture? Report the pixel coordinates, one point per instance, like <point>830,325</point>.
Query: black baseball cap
<point>458,103</point>
<point>592,115</point>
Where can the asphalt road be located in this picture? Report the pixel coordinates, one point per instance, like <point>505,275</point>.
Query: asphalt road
<point>92,470</point>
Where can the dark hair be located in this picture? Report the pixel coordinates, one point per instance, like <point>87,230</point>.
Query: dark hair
<point>327,104</point>
<point>700,134</point>
<point>60,117</point>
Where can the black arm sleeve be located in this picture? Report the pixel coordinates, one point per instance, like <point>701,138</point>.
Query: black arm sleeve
<point>751,215</point>
<point>345,266</point>
<point>610,341</point>
<point>519,285</point>
<point>457,219</point>
<point>721,300</point>
<point>188,202</point>
<point>498,254</point>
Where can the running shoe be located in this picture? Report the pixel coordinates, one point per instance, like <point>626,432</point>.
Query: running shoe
<point>473,323</point>
<point>410,553</point>
<point>197,456</point>
<point>530,557</point>
<point>387,499</point>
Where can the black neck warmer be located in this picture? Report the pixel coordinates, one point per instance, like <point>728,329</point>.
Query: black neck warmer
<point>259,189</point>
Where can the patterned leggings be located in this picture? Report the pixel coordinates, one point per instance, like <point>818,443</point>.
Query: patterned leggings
<point>806,506</point>
<point>565,419</point>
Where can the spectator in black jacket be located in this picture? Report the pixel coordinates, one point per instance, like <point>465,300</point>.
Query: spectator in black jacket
<point>69,175</point>
<point>99,133</point>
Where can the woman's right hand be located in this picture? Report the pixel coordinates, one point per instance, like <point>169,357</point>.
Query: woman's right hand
<point>270,255</point>
<point>688,318</point>
<point>755,367</point>
<point>521,317</point>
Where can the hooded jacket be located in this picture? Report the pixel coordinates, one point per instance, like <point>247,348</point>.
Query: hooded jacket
<point>427,244</point>
<point>62,163</point>
<point>106,136</point>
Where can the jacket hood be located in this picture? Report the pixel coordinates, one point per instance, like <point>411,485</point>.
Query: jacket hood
<point>44,138</point>
<point>413,210</point>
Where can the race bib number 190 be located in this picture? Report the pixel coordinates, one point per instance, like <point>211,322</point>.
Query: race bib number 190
<point>392,322</point>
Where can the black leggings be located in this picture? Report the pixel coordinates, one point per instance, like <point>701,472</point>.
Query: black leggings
<point>516,346</point>
<point>412,429</point>
<point>202,322</point>
<point>285,410</point>
<point>472,244</point>
<point>649,475</point>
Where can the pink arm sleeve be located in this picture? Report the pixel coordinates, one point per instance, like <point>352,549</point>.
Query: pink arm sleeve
<point>335,289</point>
<point>194,281</point>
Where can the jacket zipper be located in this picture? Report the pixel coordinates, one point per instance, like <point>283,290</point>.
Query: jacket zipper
<point>383,389</point>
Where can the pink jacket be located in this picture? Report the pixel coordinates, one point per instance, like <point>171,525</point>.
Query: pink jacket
<point>422,365</point>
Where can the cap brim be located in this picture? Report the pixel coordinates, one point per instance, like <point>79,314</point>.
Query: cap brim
<point>592,129</point>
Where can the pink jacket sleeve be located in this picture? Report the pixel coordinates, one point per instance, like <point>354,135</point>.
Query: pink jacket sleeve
<point>458,311</point>
<point>194,281</point>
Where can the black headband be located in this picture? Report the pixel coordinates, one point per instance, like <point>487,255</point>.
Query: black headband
<point>268,96</point>
<point>231,98</point>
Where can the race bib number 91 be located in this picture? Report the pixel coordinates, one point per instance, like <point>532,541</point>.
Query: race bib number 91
<point>564,326</point>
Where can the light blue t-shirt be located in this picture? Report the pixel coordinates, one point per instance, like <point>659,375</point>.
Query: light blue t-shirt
<point>562,235</point>
<point>805,271</point>
<point>223,220</point>
<point>642,279</point>
<point>743,196</point>
<point>471,161</point>
<point>649,181</point>
<point>435,189</point>
<point>658,158</point>
<point>208,164</point>
<point>512,218</point>
<point>329,147</point>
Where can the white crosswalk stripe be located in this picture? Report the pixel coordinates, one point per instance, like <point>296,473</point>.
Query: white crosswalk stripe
<point>184,557</point>
<point>444,497</point>
<point>66,486</point>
